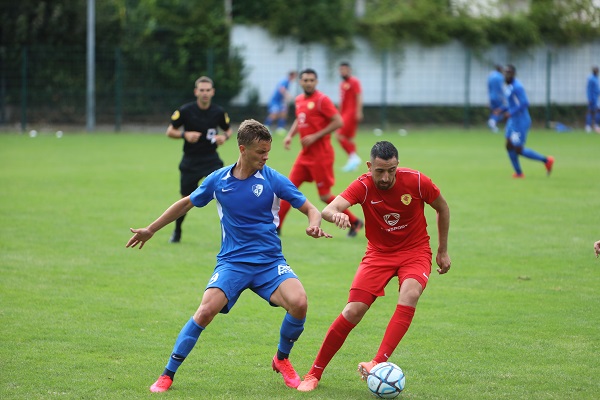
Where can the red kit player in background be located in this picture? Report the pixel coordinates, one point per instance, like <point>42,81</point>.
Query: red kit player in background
<point>351,108</point>
<point>393,200</point>
<point>316,118</point>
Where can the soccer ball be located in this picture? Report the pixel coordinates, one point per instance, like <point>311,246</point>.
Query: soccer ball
<point>386,380</point>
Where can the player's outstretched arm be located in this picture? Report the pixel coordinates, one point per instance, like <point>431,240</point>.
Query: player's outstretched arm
<point>176,210</point>
<point>597,248</point>
<point>314,220</point>
<point>334,212</point>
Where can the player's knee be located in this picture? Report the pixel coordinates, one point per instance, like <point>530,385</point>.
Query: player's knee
<point>518,149</point>
<point>355,311</point>
<point>509,146</point>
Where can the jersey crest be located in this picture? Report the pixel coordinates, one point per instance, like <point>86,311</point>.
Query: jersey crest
<point>310,105</point>
<point>257,189</point>
<point>406,199</point>
<point>391,219</point>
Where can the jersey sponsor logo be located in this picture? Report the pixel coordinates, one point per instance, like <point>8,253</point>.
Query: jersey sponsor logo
<point>391,219</point>
<point>257,189</point>
<point>214,278</point>
<point>310,105</point>
<point>284,269</point>
<point>375,202</point>
<point>175,115</point>
<point>302,118</point>
<point>406,199</point>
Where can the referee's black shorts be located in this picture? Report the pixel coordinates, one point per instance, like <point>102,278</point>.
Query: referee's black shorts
<point>192,171</point>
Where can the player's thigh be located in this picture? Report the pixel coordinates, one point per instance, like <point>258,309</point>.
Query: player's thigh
<point>323,176</point>
<point>348,130</point>
<point>232,279</point>
<point>300,173</point>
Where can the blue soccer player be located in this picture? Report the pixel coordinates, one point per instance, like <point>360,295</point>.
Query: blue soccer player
<point>495,84</point>
<point>518,124</point>
<point>277,107</point>
<point>592,117</point>
<point>247,194</point>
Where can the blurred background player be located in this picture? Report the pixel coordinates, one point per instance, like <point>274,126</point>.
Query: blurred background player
<point>495,84</point>
<point>351,108</point>
<point>316,118</point>
<point>278,104</point>
<point>592,117</point>
<point>393,201</point>
<point>247,194</point>
<point>198,123</point>
<point>597,248</point>
<point>518,122</point>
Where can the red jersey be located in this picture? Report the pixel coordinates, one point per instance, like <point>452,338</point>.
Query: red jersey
<point>314,113</point>
<point>349,89</point>
<point>394,218</point>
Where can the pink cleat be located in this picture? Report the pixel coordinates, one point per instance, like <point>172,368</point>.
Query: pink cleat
<point>285,368</point>
<point>309,383</point>
<point>364,368</point>
<point>163,384</point>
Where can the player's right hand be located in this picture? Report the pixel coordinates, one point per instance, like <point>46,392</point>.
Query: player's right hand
<point>141,236</point>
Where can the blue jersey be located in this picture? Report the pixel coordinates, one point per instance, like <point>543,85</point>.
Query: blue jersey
<point>248,210</point>
<point>496,87</point>
<point>593,89</point>
<point>518,105</point>
<point>278,97</point>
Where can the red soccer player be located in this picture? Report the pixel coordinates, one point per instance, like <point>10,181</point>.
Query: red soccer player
<point>316,118</point>
<point>393,200</point>
<point>351,108</point>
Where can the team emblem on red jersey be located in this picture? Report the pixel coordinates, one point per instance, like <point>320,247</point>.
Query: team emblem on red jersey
<point>391,219</point>
<point>310,105</point>
<point>406,199</point>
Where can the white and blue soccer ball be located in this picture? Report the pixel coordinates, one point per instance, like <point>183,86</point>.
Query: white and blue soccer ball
<point>386,380</point>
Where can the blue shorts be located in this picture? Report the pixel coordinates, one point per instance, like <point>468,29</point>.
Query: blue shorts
<point>516,132</point>
<point>277,108</point>
<point>234,278</point>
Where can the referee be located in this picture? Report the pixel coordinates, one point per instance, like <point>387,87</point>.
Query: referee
<point>198,123</point>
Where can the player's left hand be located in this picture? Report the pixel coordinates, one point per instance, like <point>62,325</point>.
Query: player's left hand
<point>220,139</point>
<point>309,139</point>
<point>443,261</point>
<point>317,232</point>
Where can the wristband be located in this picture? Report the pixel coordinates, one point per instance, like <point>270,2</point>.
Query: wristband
<point>183,134</point>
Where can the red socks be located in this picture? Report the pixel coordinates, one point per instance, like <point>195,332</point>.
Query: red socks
<point>334,339</point>
<point>397,327</point>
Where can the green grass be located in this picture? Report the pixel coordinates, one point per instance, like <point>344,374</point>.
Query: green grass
<point>83,317</point>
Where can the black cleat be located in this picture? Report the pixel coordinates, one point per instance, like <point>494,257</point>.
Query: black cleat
<point>356,226</point>
<point>175,237</point>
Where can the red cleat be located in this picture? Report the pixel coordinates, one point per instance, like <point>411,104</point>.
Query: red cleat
<point>548,164</point>
<point>364,368</point>
<point>163,384</point>
<point>285,368</point>
<point>519,176</point>
<point>309,383</point>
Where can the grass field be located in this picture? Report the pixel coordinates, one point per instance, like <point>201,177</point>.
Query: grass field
<point>82,317</point>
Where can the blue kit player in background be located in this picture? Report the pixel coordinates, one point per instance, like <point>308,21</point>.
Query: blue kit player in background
<point>518,124</point>
<point>592,117</point>
<point>495,84</point>
<point>247,194</point>
<point>278,104</point>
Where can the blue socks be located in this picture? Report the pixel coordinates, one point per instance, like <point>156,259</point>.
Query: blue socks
<point>514,159</point>
<point>534,155</point>
<point>291,329</point>
<point>184,344</point>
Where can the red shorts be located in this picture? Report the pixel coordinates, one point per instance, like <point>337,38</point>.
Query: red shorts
<point>349,128</point>
<point>376,270</point>
<point>321,173</point>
